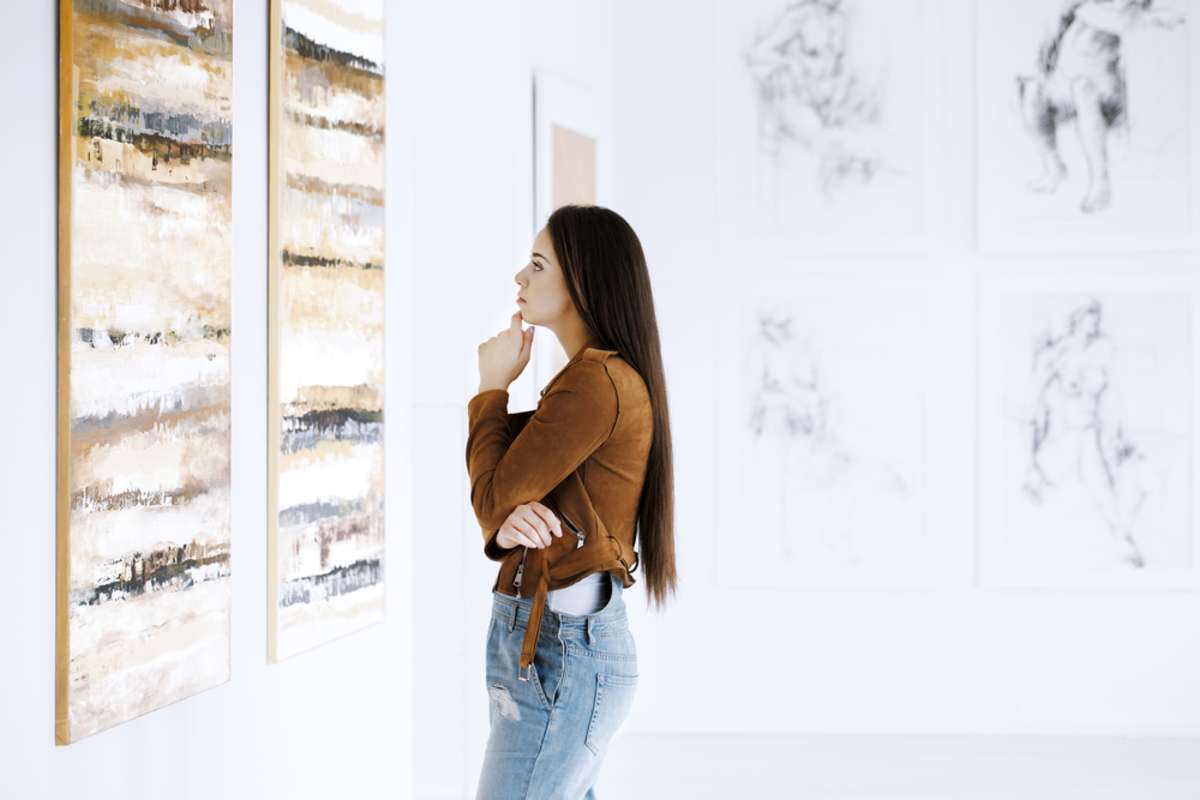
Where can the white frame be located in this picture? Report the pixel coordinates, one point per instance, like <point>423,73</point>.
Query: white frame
<point>1002,238</point>
<point>1174,277</point>
<point>727,496</point>
<point>866,242</point>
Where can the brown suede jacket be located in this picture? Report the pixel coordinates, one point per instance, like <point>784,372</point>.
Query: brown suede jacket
<point>582,452</point>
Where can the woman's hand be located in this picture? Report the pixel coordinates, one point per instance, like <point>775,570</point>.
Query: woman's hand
<point>529,524</point>
<point>504,356</point>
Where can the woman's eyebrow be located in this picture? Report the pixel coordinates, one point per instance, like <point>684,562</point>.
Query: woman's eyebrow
<point>536,254</point>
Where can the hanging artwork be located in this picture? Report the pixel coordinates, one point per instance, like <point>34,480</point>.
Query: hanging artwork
<point>572,167</point>
<point>820,131</point>
<point>570,163</point>
<point>143,561</point>
<point>821,438</point>
<point>326,493</point>
<point>1086,452</point>
<point>1085,134</point>
<point>569,146</point>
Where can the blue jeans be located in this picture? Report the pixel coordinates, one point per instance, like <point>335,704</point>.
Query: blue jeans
<point>550,733</point>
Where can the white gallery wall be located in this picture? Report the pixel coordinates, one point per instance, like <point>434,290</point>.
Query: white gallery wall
<point>332,722</point>
<point>471,71</point>
<point>944,601</point>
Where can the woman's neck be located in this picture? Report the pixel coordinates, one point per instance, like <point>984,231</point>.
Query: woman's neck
<point>575,339</point>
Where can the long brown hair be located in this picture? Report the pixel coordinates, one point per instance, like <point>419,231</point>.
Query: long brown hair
<point>606,276</point>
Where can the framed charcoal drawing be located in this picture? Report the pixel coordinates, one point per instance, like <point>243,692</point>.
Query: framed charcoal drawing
<point>822,123</point>
<point>821,436</point>
<point>1086,124</point>
<point>143,525</point>
<point>326,491</point>
<point>1087,433</point>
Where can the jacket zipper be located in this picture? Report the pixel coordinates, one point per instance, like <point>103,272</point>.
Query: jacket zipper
<point>520,568</point>
<point>579,534</point>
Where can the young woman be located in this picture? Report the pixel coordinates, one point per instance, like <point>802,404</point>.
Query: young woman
<point>561,493</point>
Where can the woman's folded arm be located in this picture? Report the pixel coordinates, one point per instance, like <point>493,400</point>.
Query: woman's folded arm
<point>574,418</point>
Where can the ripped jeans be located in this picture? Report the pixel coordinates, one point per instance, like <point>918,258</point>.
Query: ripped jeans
<point>549,734</point>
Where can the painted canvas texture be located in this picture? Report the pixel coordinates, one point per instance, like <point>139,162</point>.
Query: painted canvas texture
<point>143,561</point>
<point>327,359</point>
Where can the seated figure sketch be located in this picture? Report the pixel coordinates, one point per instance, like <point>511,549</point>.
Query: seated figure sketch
<point>1079,79</point>
<point>808,95</point>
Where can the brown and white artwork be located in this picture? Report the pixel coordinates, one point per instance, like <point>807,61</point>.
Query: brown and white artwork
<point>143,561</point>
<point>326,545</point>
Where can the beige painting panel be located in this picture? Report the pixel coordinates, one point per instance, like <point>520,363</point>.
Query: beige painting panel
<point>573,165</point>
<point>325,514</point>
<point>143,518</point>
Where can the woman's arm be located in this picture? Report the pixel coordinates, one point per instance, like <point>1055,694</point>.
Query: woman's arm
<point>518,421</point>
<point>574,419</point>
<point>530,524</point>
<point>491,548</point>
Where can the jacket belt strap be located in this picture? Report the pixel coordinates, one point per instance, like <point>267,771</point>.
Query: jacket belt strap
<point>529,643</point>
<point>597,560</point>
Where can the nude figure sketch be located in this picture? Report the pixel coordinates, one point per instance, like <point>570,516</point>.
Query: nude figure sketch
<point>810,97</point>
<point>1075,443</point>
<point>1079,81</point>
<point>820,484</point>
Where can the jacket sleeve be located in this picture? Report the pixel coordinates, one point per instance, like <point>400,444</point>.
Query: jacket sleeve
<point>571,422</point>
<point>516,423</point>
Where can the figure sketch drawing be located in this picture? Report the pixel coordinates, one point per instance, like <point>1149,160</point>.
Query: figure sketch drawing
<point>819,484</point>
<point>810,97</point>
<point>1075,442</point>
<point>1079,81</point>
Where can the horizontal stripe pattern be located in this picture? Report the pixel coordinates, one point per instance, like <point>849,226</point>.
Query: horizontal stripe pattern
<point>329,531</point>
<point>149,348</point>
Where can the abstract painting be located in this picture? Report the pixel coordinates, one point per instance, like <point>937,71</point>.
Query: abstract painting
<point>143,553</point>
<point>326,492</point>
<point>1087,418</point>
<point>821,442</point>
<point>1084,122</point>
<point>818,115</point>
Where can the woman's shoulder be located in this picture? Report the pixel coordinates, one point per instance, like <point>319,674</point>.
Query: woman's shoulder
<point>590,371</point>
<point>626,380</point>
<point>597,368</point>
